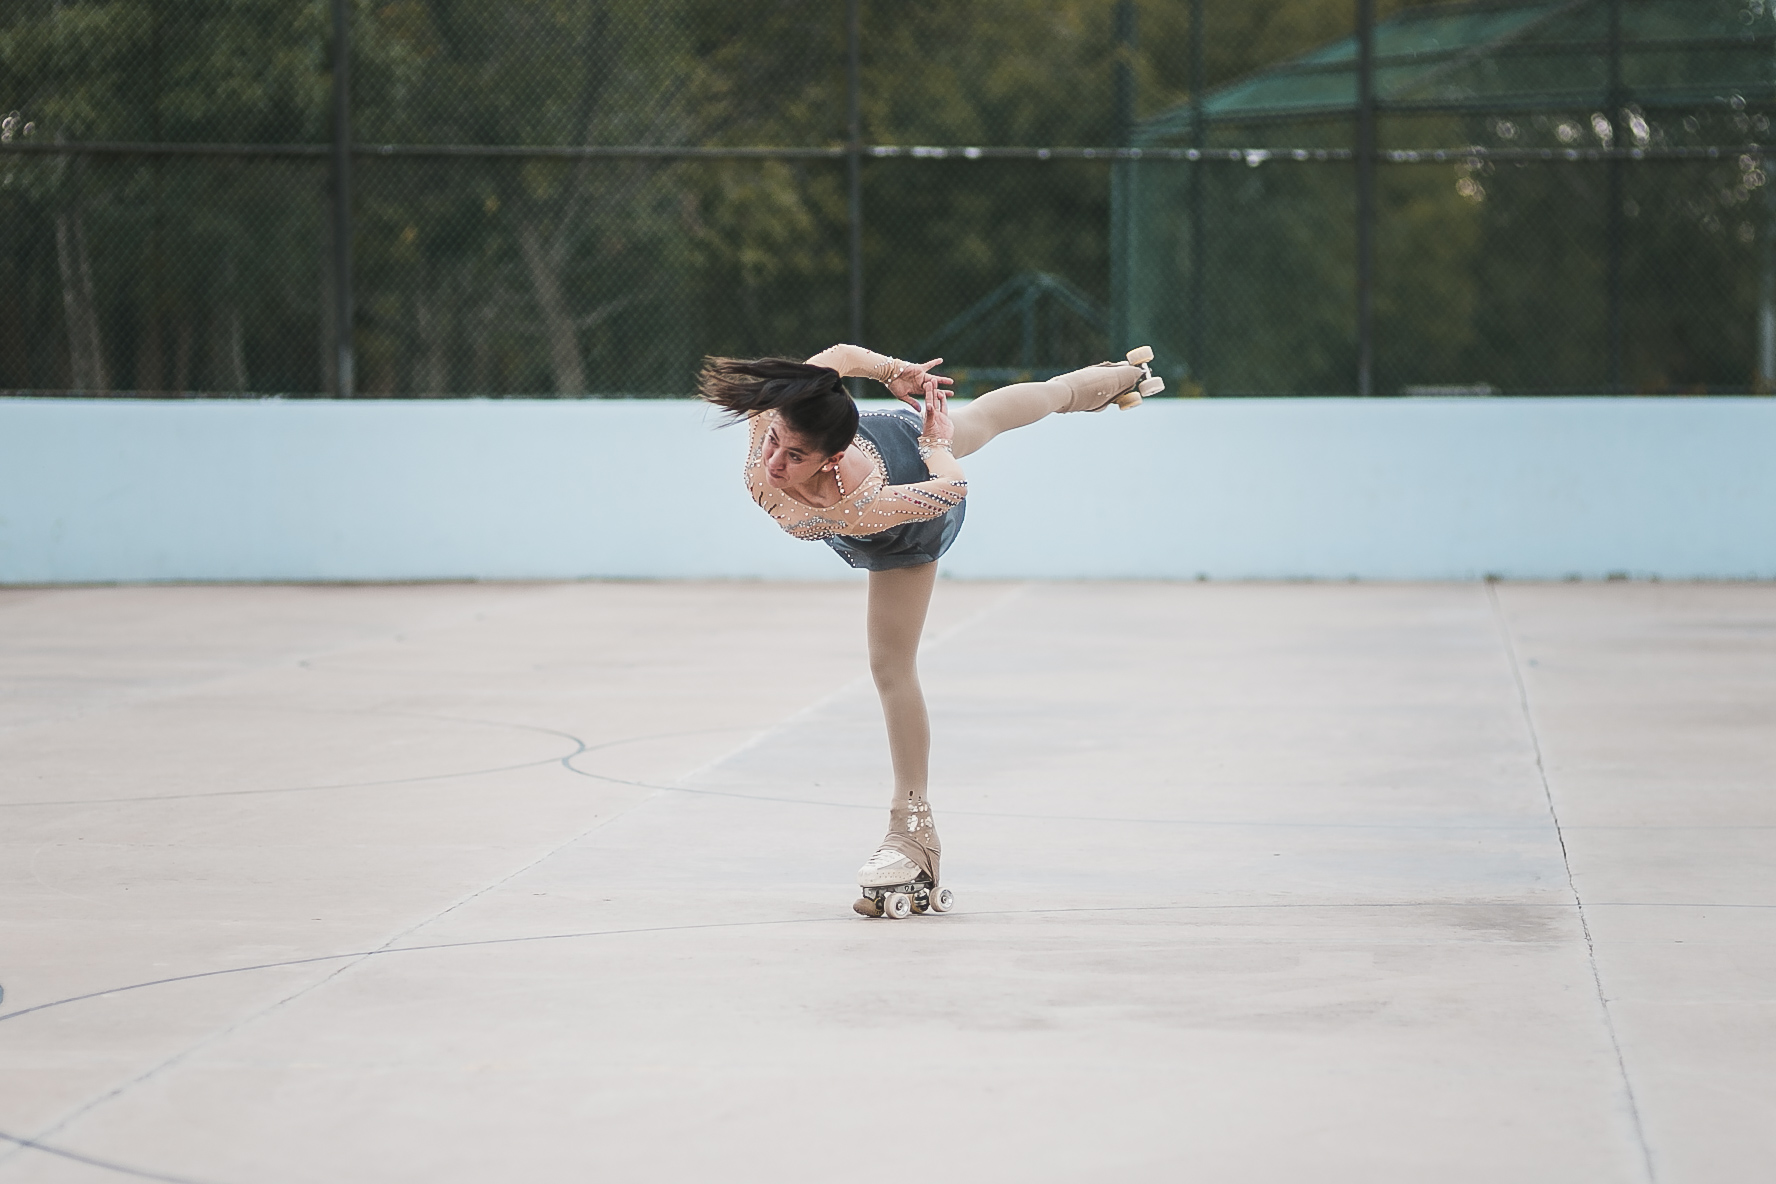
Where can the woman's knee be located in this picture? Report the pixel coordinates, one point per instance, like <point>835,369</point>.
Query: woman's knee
<point>894,673</point>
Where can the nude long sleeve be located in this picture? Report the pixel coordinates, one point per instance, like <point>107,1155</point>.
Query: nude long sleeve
<point>922,500</point>
<point>853,361</point>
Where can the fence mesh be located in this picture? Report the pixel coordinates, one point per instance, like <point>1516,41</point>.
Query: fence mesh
<point>587,196</point>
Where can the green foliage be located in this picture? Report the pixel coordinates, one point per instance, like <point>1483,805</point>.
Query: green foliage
<point>530,275</point>
<point>1488,272</point>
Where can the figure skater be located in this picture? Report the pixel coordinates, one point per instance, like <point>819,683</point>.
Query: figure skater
<point>883,489</point>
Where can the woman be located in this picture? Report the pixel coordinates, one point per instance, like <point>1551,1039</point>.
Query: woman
<point>883,489</point>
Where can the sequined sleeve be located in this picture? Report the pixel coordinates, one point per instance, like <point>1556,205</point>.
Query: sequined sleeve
<point>853,361</point>
<point>895,504</point>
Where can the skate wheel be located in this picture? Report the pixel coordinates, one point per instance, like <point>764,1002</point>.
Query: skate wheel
<point>942,900</point>
<point>1141,355</point>
<point>1151,386</point>
<point>898,905</point>
<point>1128,402</point>
<point>866,907</point>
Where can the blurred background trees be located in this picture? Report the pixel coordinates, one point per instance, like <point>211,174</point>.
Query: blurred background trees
<point>509,274</point>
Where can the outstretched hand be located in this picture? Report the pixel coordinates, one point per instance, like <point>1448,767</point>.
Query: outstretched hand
<point>916,382</point>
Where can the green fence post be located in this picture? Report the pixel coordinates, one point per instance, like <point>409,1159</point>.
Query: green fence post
<point>1365,198</point>
<point>342,200</point>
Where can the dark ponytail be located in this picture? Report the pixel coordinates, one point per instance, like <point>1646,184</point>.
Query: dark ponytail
<point>811,399</point>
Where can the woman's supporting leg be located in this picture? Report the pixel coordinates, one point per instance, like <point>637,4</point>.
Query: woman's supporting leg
<point>1023,404</point>
<point>898,600</point>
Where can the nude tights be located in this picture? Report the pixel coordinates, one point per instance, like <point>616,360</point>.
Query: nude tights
<point>899,599</point>
<point>1002,410</point>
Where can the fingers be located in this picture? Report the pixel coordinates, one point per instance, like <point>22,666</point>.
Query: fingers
<point>936,407</point>
<point>931,381</point>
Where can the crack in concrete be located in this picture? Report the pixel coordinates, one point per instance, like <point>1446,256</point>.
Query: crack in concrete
<point>1609,1019</point>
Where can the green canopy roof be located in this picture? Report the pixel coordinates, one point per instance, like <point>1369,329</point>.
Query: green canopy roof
<point>1490,57</point>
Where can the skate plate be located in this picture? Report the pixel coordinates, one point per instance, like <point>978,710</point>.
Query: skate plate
<point>898,901</point>
<point>1146,387</point>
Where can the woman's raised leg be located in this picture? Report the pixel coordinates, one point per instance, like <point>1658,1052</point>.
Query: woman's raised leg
<point>898,601</point>
<point>1026,402</point>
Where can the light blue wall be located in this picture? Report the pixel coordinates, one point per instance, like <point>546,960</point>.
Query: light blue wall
<point>105,490</point>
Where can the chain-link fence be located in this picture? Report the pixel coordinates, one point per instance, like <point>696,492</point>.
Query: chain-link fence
<point>1522,197</point>
<point>587,196</point>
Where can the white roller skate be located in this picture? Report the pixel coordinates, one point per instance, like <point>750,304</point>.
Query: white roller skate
<point>1093,389</point>
<point>895,885</point>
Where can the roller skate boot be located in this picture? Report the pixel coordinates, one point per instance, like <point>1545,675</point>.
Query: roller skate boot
<point>1123,383</point>
<point>900,879</point>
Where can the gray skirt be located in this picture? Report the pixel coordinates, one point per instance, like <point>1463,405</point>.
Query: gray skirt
<point>896,437</point>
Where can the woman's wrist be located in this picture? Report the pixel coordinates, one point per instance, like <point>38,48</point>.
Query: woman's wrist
<point>888,370</point>
<point>930,444</point>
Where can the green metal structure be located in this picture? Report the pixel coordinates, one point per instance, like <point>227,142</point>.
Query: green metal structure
<point>1560,196</point>
<point>1036,320</point>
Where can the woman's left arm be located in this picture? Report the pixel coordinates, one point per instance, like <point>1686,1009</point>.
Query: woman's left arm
<point>941,492</point>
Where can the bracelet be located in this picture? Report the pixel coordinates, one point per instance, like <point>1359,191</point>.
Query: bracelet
<point>930,444</point>
<point>898,368</point>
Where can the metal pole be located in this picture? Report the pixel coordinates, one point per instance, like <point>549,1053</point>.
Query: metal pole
<point>1615,228</point>
<point>1766,368</point>
<point>342,199</point>
<point>1365,198</point>
<point>1125,71</point>
<point>854,160</point>
<point>1122,180</point>
<point>156,243</point>
<point>1199,139</point>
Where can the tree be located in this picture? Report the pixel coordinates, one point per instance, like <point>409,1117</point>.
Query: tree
<point>147,247</point>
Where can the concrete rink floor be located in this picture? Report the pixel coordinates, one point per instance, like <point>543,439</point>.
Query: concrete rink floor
<point>1313,882</point>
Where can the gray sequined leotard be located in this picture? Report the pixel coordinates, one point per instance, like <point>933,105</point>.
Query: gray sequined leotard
<point>904,513</point>
<point>895,435</point>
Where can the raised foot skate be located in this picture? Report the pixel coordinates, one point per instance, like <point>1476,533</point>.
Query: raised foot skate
<point>1150,384</point>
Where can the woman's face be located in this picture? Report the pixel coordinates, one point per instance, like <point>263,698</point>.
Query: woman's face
<point>788,458</point>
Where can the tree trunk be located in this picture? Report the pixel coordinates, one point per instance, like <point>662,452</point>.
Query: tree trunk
<point>86,353</point>
<point>558,326</point>
<point>150,355</point>
<point>328,337</point>
<point>228,354</point>
<point>481,350</point>
<point>182,358</point>
<point>430,318</point>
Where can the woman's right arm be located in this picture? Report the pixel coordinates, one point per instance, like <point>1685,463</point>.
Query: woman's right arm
<point>904,380</point>
<point>853,361</point>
